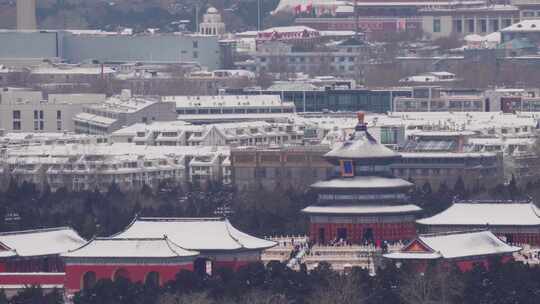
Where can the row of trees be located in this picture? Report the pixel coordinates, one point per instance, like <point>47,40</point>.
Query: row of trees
<point>256,211</point>
<point>276,283</point>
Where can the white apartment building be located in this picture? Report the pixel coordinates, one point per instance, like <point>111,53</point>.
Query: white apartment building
<point>231,108</point>
<point>178,133</point>
<point>120,111</point>
<point>345,58</point>
<point>25,110</point>
<point>80,167</point>
<point>21,139</point>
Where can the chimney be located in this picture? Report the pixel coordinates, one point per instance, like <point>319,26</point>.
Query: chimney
<point>360,116</point>
<point>26,15</point>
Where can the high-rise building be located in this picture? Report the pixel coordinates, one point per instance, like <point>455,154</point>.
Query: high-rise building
<point>26,15</point>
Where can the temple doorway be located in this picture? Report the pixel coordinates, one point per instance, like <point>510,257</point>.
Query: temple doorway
<point>202,266</point>
<point>342,234</point>
<point>368,235</point>
<point>321,236</point>
<point>121,273</point>
<point>152,279</point>
<point>88,280</point>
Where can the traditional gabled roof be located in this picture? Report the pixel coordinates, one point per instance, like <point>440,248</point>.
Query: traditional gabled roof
<point>361,145</point>
<point>130,248</point>
<point>194,233</point>
<point>362,209</point>
<point>484,214</point>
<point>41,242</point>
<point>363,182</point>
<point>452,245</point>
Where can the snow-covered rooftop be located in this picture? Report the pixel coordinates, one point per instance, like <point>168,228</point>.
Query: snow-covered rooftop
<point>362,209</point>
<point>71,70</point>
<point>41,242</point>
<point>455,245</point>
<point>195,233</point>
<point>220,101</point>
<point>484,214</point>
<point>363,182</point>
<point>129,248</point>
<point>361,145</point>
<point>116,149</point>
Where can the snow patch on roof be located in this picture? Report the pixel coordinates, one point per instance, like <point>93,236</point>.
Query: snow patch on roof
<point>482,214</point>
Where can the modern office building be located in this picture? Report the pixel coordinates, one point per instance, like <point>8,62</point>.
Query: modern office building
<point>320,99</point>
<point>77,46</point>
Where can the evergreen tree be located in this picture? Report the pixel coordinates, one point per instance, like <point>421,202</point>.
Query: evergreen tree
<point>459,188</point>
<point>3,297</point>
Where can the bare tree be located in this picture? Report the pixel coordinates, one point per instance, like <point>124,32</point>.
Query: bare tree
<point>437,285</point>
<point>342,289</point>
<point>191,298</point>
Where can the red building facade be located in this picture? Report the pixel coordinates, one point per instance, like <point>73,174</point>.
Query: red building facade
<point>148,260</point>
<point>363,203</point>
<point>141,253</point>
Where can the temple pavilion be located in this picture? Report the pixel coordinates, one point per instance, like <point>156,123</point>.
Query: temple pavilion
<point>516,222</point>
<point>461,248</point>
<point>364,203</point>
<point>153,250</point>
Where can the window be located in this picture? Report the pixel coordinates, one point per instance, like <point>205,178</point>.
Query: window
<point>347,168</point>
<point>436,25</point>
<point>458,26</point>
<point>494,25</point>
<point>35,114</point>
<point>58,114</point>
<point>195,54</point>
<point>483,25</point>
<point>16,114</point>
<point>17,125</point>
<point>507,22</point>
<point>470,25</point>
<point>59,125</point>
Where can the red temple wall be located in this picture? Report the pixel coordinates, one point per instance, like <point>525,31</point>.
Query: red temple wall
<point>355,232</point>
<point>34,264</point>
<point>11,278</point>
<point>136,273</point>
<point>463,265</point>
<point>234,265</point>
<point>523,238</point>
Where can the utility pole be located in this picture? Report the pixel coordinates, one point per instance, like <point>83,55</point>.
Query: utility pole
<point>259,15</point>
<point>196,18</point>
<point>356,19</point>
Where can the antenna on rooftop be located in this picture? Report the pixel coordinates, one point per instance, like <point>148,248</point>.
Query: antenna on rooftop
<point>356,19</point>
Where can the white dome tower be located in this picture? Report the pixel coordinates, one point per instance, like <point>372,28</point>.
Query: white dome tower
<point>212,23</point>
